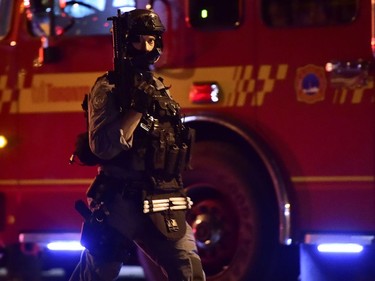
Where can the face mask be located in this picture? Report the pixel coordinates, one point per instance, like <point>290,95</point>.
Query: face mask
<point>143,59</point>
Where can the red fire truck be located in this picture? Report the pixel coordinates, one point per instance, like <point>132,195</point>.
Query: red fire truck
<point>281,94</point>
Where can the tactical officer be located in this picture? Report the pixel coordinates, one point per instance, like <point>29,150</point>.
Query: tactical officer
<point>141,145</point>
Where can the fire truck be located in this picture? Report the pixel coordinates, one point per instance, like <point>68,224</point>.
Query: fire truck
<point>280,93</point>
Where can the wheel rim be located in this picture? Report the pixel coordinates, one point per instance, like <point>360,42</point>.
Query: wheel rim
<point>214,228</point>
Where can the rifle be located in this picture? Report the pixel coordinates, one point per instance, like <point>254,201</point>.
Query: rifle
<point>123,74</point>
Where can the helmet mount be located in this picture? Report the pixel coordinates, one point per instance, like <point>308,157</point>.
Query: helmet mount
<point>143,22</point>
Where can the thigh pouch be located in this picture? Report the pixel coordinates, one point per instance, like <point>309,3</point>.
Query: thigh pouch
<point>168,213</point>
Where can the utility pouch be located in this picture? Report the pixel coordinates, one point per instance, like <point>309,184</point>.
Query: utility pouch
<point>158,154</point>
<point>170,223</point>
<point>181,164</point>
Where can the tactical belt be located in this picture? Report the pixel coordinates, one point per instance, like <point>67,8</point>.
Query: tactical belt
<point>172,203</point>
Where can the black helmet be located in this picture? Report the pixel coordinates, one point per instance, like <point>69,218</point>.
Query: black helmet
<point>143,22</point>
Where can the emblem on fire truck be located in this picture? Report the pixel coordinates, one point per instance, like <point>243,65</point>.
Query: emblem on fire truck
<point>311,83</point>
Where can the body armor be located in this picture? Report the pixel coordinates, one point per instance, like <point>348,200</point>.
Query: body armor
<point>165,152</point>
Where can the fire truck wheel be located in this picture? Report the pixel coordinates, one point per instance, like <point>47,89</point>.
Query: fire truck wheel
<point>234,239</point>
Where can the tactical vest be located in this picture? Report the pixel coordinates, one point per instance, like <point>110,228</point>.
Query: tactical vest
<point>161,144</point>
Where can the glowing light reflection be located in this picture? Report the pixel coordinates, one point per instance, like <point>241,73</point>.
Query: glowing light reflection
<point>3,141</point>
<point>65,246</point>
<point>204,14</point>
<point>340,248</point>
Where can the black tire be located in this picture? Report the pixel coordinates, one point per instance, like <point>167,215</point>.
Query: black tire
<point>225,187</point>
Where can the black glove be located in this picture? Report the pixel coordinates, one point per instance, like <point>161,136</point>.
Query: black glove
<point>142,97</point>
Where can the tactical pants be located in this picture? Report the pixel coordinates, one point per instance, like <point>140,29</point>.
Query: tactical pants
<point>178,259</point>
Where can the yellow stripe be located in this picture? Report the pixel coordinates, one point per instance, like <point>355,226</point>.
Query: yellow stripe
<point>45,181</point>
<point>88,181</point>
<point>248,72</point>
<point>264,72</point>
<point>282,69</point>
<point>334,179</point>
